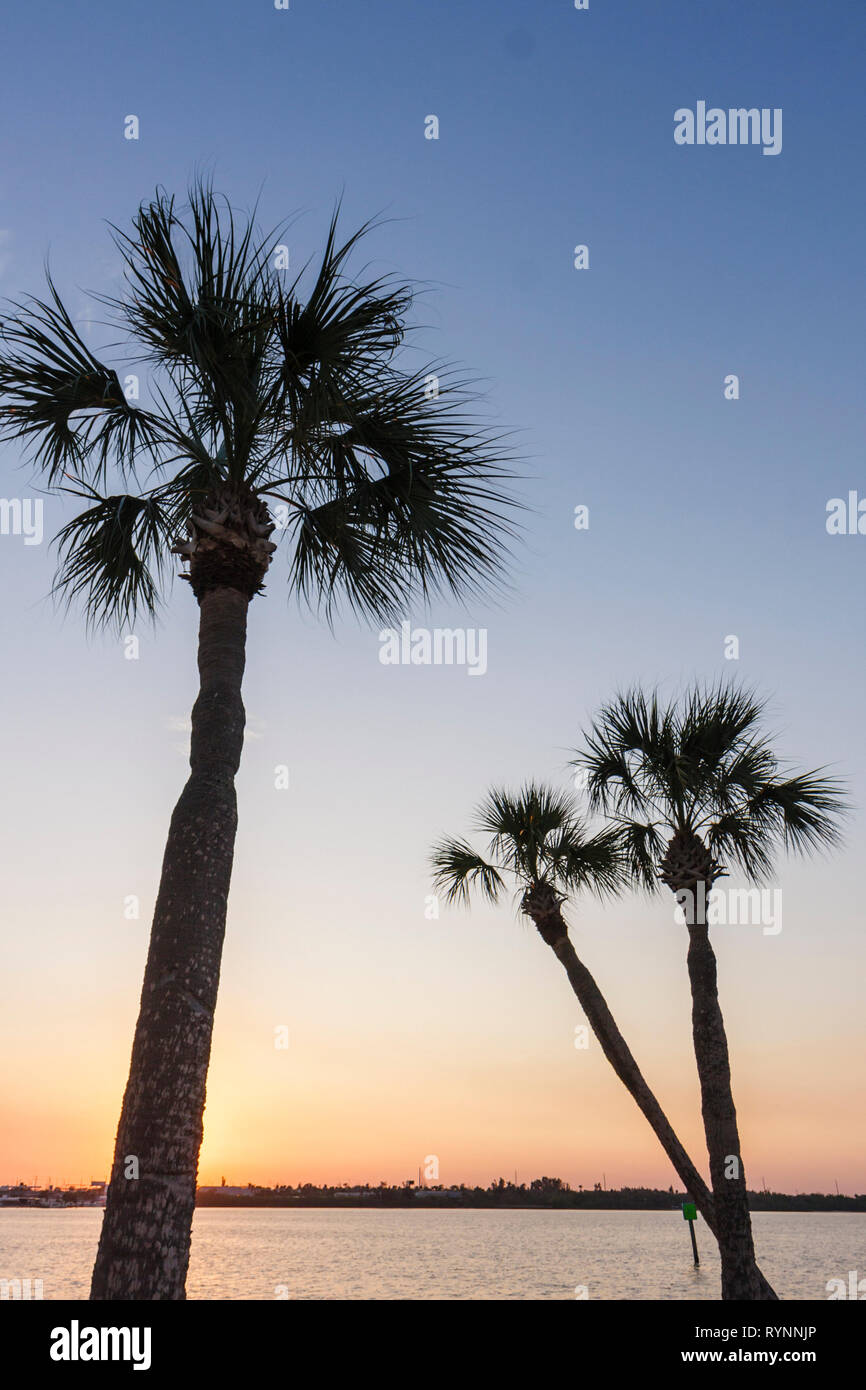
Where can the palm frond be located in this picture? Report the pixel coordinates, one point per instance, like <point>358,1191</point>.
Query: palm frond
<point>594,864</point>
<point>335,556</point>
<point>536,837</point>
<point>714,729</point>
<point>737,837</point>
<point>642,846</point>
<point>62,399</point>
<point>737,774</point>
<point>396,493</point>
<point>406,500</point>
<point>457,869</point>
<point>714,719</point>
<point>805,809</point>
<point>342,330</point>
<point>202,300</point>
<point>630,755</point>
<point>522,825</point>
<point>703,766</point>
<point>112,556</point>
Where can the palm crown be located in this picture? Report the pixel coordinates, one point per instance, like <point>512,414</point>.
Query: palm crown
<point>537,838</point>
<point>390,488</point>
<point>702,768</point>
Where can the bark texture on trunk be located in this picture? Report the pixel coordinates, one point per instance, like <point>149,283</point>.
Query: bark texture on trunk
<point>144,1246</point>
<point>543,906</point>
<point>689,868</point>
<point>739,1270</point>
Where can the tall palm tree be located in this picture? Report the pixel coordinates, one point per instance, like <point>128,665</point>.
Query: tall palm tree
<point>693,786</point>
<point>538,840</point>
<point>392,491</point>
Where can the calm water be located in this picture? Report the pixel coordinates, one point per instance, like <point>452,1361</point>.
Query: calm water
<point>323,1254</point>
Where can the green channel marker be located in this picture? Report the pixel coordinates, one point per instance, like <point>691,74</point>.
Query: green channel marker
<point>690,1214</point>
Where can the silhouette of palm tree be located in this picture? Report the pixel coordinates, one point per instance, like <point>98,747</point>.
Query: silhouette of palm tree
<point>261,400</point>
<point>691,785</point>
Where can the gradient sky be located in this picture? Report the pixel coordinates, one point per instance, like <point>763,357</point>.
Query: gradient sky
<point>411,1037</point>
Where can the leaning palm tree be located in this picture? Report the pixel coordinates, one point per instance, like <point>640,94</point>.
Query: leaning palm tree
<point>538,840</point>
<point>695,785</point>
<point>390,491</point>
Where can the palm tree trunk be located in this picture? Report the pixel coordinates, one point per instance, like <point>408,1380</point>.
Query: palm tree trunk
<point>720,1122</point>
<point>617,1052</point>
<point>144,1246</point>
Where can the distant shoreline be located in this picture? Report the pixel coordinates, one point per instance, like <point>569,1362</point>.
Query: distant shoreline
<point>612,1201</point>
<point>546,1194</point>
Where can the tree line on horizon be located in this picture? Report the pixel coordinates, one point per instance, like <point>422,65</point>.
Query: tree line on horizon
<point>540,1191</point>
<point>550,1192</point>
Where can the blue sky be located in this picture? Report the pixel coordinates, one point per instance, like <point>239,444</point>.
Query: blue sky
<point>707,518</point>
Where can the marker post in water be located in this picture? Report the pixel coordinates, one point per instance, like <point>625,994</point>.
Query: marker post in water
<point>690,1213</point>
